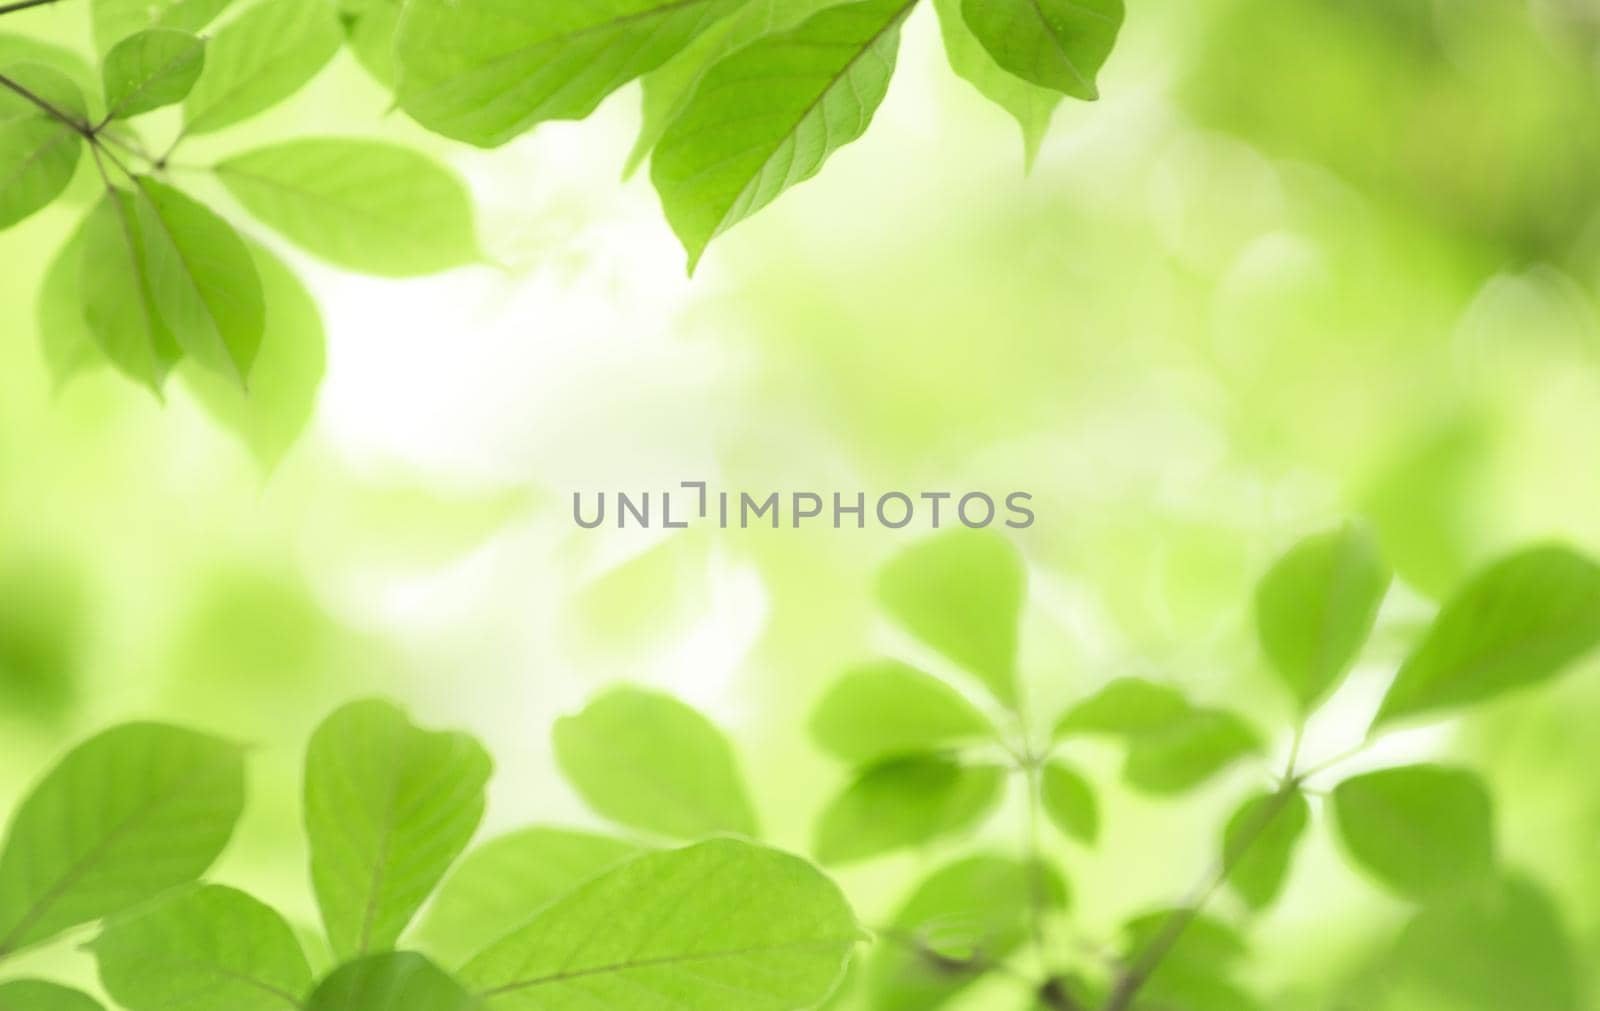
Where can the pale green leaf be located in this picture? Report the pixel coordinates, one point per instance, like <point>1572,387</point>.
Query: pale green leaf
<point>1196,973</point>
<point>118,302</point>
<point>1188,753</point>
<point>366,205</point>
<point>1315,608</point>
<point>371,33</point>
<point>16,49</point>
<point>1419,829</point>
<point>202,950</point>
<point>272,413</point>
<point>157,67</point>
<point>394,981</point>
<point>1258,844</point>
<point>500,885</point>
<point>68,344</point>
<point>202,280</point>
<point>388,808</point>
<point>769,115</point>
<point>485,71</point>
<point>650,762</point>
<point>961,593</point>
<point>886,708</point>
<point>115,20</point>
<point>37,995</point>
<point>39,152</point>
<point>722,925</point>
<point>1069,801</point>
<point>1126,706</point>
<point>127,815</point>
<point>1057,44</point>
<point>261,58</point>
<point>1031,105</point>
<point>905,802</point>
<point>1521,621</point>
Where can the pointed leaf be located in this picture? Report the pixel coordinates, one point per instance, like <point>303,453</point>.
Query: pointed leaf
<point>38,152</point>
<point>1419,829</point>
<point>37,995</point>
<point>64,336</point>
<point>1127,706</point>
<point>719,926</point>
<point>905,802</point>
<point>1521,621</point>
<point>1030,105</point>
<point>115,20</point>
<point>209,948</point>
<point>885,709</point>
<point>388,808</point>
<point>366,205</point>
<point>769,115</point>
<point>650,762</point>
<point>127,815</point>
<point>1258,845</point>
<point>1058,44</point>
<point>157,67</point>
<point>395,981</point>
<point>261,58</point>
<point>118,302</point>
<point>1069,802</point>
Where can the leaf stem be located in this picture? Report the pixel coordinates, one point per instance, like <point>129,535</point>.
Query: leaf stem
<point>78,127</point>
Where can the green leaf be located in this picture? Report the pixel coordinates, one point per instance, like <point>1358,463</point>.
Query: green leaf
<point>1196,972</point>
<point>270,415</point>
<point>1031,105</point>
<point>394,981</point>
<point>1057,44</point>
<point>769,115</point>
<point>1315,608</point>
<point>1188,754</point>
<point>37,995</point>
<point>261,58</point>
<point>884,709</point>
<point>650,762</point>
<point>958,923</point>
<point>1258,844</point>
<point>371,33</point>
<point>485,71</point>
<point>157,67</point>
<point>15,49</point>
<point>1069,802</point>
<point>1519,622</point>
<point>499,885</point>
<point>38,152</point>
<point>1419,829</point>
<point>366,205</point>
<point>115,20</point>
<point>1127,706</point>
<point>68,344</point>
<point>388,808</point>
<point>722,925</point>
<point>905,802</point>
<point>127,815</point>
<point>209,948</point>
<point>118,304</point>
<point>961,593</point>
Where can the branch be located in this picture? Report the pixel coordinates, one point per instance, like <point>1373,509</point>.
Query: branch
<point>51,110</point>
<point>22,5</point>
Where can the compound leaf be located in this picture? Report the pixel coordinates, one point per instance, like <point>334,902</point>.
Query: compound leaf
<point>1056,44</point>
<point>154,68</point>
<point>1419,829</point>
<point>650,762</point>
<point>1030,105</point>
<point>886,708</point>
<point>392,981</point>
<point>905,802</point>
<point>261,58</point>
<point>37,995</point>
<point>388,808</point>
<point>722,925</point>
<point>1069,802</point>
<point>1258,844</point>
<point>38,152</point>
<point>127,815</point>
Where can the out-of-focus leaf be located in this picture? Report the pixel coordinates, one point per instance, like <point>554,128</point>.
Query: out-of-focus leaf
<point>1190,753</point>
<point>1419,829</point>
<point>1197,972</point>
<point>43,628</point>
<point>127,815</point>
<point>118,304</point>
<point>15,49</point>
<point>484,71</point>
<point>371,32</point>
<point>769,115</point>
<point>201,950</point>
<point>961,593</point>
<point>37,995</point>
<point>1126,706</point>
<point>1069,801</point>
<point>650,762</point>
<point>38,152</point>
<point>1056,44</point>
<point>719,926</point>
<point>1519,622</point>
<point>115,20</point>
<point>905,802</point>
<point>393,981</point>
<point>154,68</point>
<point>259,59</point>
<point>65,339</point>
<point>1315,608</point>
<point>885,709</point>
<point>1031,105</point>
<point>500,885</point>
<point>388,808</point>
<point>365,205</point>
<point>1258,844</point>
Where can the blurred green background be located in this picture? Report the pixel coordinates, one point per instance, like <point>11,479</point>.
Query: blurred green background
<point>1307,259</point>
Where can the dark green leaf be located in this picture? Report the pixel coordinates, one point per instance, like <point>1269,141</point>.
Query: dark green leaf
<point>650,762</point>
<point>1258,844</point>
<point>115,20</point>
<point>1031,105</point>
<point>1057,44</point>
<point>38,151</point>
<point>1315,608</point>
<point>905,802</point>
<point>157,67</point>
<point>125,816</point>
<point>1519,622</point>
<point>1068,800</point>
<point>1419,829</point>
<point>118,304</point>
<point>485,71</point>
<point>1127,706</point>
<point>395,981</point>
<point>366,205</point>
<point>36,995</point>
<point>886,708</point>
<point>769,115</point>
<point>722,925</point>
<point>388,808</point>
<point>202,950</point>
<point>261,58</point>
